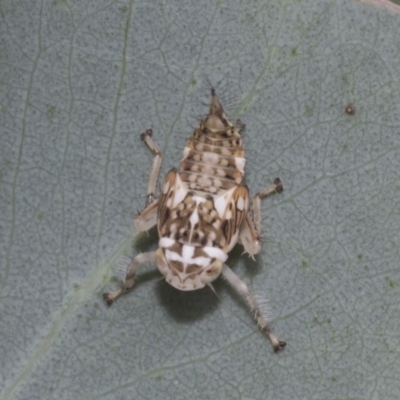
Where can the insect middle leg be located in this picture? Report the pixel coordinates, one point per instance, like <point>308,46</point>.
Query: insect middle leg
<point>251,229</point>
<point>242,288</point>
<point>276,187</point>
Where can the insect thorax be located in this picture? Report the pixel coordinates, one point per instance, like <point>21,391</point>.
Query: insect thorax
<point>202,206</point>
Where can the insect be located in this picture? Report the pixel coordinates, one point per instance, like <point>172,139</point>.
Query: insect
<point>203,210</point>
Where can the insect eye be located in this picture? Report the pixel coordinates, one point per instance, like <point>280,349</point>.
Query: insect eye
<point>212,272</point>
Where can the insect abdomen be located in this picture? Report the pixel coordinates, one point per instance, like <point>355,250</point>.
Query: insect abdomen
<point>213,159</point>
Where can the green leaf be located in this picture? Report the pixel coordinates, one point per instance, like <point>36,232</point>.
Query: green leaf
<point>81,80</point>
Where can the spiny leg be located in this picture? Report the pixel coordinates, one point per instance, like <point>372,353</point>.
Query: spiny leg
<point>129,280</point>
<point>242,288</point>
<point>155,169</point>
<point>276,187</point>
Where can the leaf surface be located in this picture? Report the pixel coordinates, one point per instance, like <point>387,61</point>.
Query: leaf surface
<point>81,80</point>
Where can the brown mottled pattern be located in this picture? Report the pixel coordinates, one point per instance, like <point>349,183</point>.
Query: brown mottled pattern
<point>213,163</point>
<point>207,232</point>
<point>209,164</point>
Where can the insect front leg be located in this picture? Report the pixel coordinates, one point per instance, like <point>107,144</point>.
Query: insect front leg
<point>129,280</point>
<point>148,217</point>
<point>143,222</point>
<point>242,288</point>
<point>155,169</point>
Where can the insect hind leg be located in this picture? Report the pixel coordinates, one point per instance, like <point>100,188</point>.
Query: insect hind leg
<point>242,288</point>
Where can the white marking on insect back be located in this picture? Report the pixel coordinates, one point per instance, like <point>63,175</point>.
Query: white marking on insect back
<point>201,261</point>
<point>211,158</point>
<point>221,202</point>
<point>187,252</point>
<point>240,163</point>
<point>172,256</point>
<point>166,187</point>
<point>199,199</point>
<point>215,252</point>
<point>165,242</point>
<point>187,257</point>
<point>180,193</point>
<point>186,152</point>
<point>240,203</point>
<point>194,218</point>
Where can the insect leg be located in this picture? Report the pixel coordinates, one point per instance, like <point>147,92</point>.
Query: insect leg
<point>147,218</point>
<point>129,280</point>
<point>155,169</point>
<point>250,231</point>
<point>242,288</point>
<point>276,187</point>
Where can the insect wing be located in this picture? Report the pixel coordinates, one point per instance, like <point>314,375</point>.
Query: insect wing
<point>173,193</point>
<point>235,212</point>
<point>147,218</point>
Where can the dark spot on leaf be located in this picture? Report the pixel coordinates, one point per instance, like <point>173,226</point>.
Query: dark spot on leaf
<point>350,109</point>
